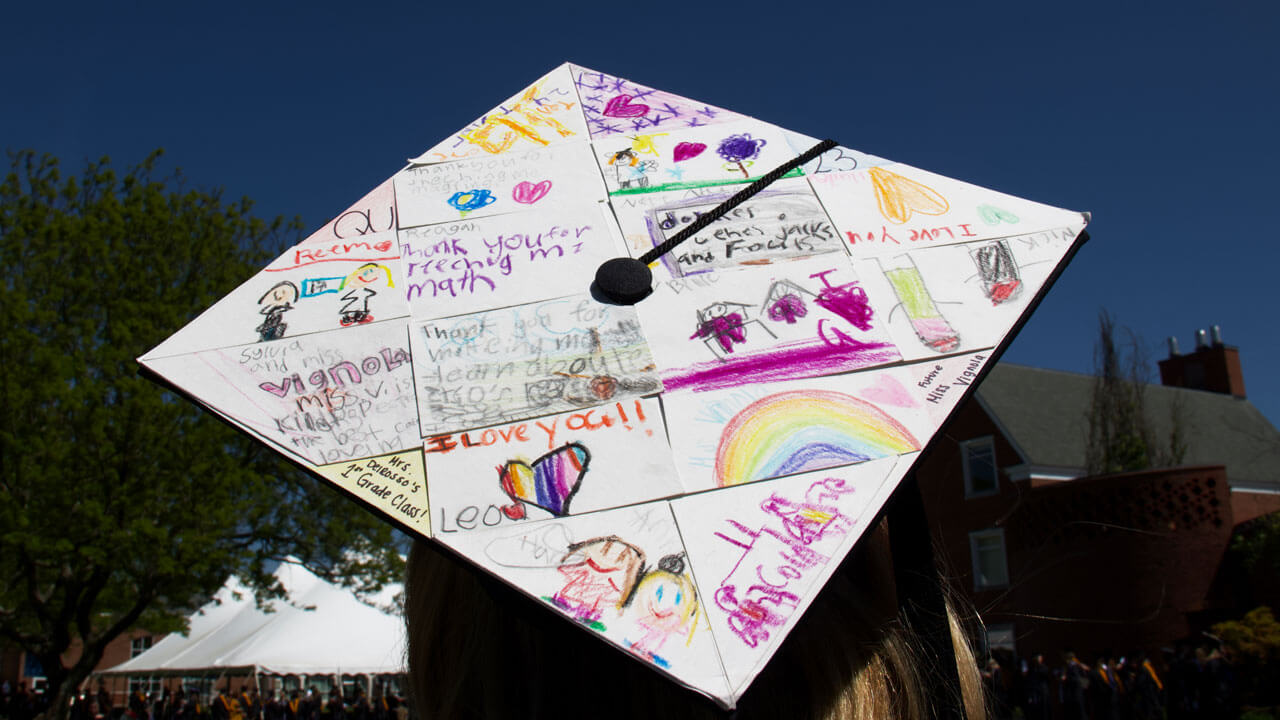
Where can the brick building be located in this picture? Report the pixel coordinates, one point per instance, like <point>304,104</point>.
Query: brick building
<point>1053,559</point>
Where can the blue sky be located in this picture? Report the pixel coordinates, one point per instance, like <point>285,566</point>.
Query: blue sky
<point>1161,120</point>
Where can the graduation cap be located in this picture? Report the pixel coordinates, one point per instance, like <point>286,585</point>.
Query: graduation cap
<point>676,453</point>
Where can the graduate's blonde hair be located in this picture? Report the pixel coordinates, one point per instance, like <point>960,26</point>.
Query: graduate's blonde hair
<point>478,649</point>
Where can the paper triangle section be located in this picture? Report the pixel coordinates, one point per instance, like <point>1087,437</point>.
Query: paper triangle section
<point>394,484</point>
<point>621,574</point>
<point>324,398</point>
<point>311,287</point>
<point>542,114</point>
<point>615,106</point>
<point>761,551</point>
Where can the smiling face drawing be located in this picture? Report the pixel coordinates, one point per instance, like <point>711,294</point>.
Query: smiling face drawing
<point>280,296</point>
<point>599,573</point>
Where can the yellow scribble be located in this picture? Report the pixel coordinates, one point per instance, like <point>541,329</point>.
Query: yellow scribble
<point>817,516</point>
<point>643,144</point>
<point>499,132</point>
<point>899,196</point>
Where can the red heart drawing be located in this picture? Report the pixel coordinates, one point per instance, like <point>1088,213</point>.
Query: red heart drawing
<point>687,150</point>
<point>620,106</point>
<point>528,193</point>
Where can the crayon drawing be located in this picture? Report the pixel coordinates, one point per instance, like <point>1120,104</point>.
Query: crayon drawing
<point>714,156</point>
<point>807,318</point>
<point>577,462</point>
<point>785,302</point>
<point>359,290</point>
<point>599,577</point>
<point>614,106</point>
<point>801,430</point>
<point>998,271</point>
<point>273,304</point>
<point>629,171</point>
<point>740,152</point>
<point>722,325</point>
<point>899,197</point>
<point>930,326</point>
<point>758,604</point>
<point>665,605</point>
<point>544,113</point>
<point>519,181</point>
<point>549,482</point>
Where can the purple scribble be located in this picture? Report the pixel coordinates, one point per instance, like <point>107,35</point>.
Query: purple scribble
<point>726,329</point>
<point>773,558</point>
<point>787,361</point>
<point>788,308</point>
<point>849,302</point>
<point>737,149</point>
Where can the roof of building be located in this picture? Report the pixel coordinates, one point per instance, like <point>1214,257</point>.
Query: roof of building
<point>1045,414</point>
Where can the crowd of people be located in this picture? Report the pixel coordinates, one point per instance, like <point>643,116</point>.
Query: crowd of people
<point>1191,683</point>
<point>247,703</point>
<point>1187,684</point>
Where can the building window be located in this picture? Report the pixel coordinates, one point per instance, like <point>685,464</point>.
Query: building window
<point>139,645</point>
<point>980,474</point>
<point>990,566</point>
<point>145,685</point>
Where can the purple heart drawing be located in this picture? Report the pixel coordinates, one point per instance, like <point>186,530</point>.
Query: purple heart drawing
<point>529,193</point>
<point>687,150</point>
<point>620,106</point>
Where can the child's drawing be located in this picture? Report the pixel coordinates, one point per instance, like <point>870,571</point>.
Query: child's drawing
<point>600,575</point>
<point>930,326</point>
<point>549,482</point>
<point>998,271</point>
<point>664,605</point>
<point>572,463</point>
<point>899,197</point>
<point>785,302</point>
<point>848,300</point>
<point>465,201</point>
<point>273,304</point>
<point>629,170</point>
<point>724,324</point>
<point>809,317</point>
<point>739,151</point>
<point>359,289</point>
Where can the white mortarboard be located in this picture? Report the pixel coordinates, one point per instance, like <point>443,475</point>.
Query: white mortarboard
<point>679,476</point>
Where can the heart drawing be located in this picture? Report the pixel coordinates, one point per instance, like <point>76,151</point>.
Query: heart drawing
<point>687,151</point>
<point>620,106</point>
<point>530,193</point>
<point>549,482</point>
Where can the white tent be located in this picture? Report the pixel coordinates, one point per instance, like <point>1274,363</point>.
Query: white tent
<point>321,629</point>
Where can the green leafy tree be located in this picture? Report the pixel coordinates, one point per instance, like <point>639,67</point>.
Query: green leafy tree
<point>1253,645</point>
<point>122,505</point>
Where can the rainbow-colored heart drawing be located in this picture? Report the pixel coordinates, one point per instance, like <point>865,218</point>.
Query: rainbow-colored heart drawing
<point>549,482</point>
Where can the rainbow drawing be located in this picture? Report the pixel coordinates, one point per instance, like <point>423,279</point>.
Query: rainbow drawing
<point>800,430</point>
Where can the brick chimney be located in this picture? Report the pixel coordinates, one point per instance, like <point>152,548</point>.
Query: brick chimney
<point>1213,366</point>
